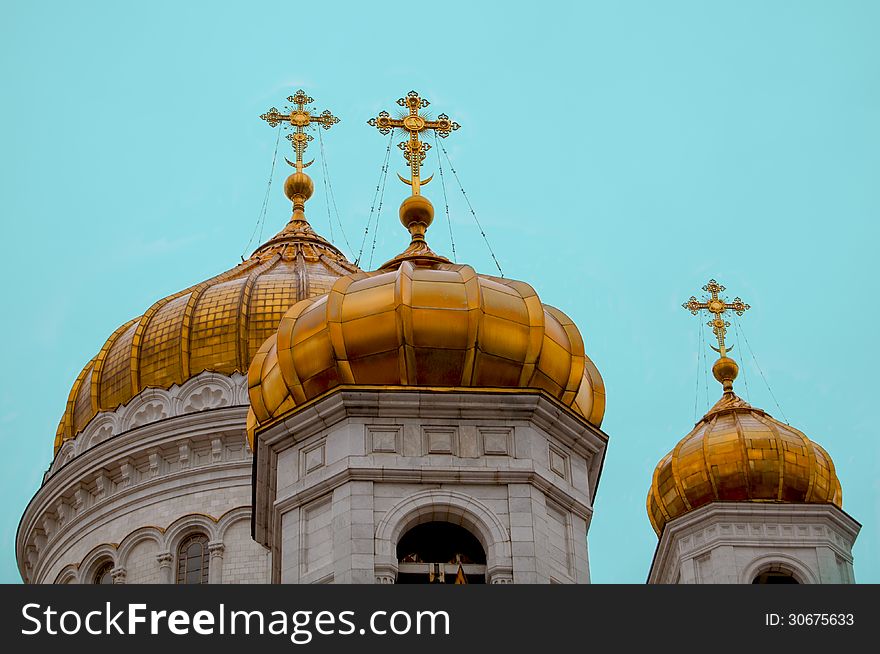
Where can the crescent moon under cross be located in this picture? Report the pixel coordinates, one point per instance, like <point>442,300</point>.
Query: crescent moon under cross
<point>729,348</point>
<point>406,181</point>
<point>293,165</point>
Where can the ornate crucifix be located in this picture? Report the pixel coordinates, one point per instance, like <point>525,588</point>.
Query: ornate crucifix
<point>414,150</point>
<point>716,306</point>
<point>300,117</point>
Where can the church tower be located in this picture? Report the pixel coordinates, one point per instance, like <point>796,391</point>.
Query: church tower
<point>745,498</point>
<point>151,480</point>
<point>423,422</point>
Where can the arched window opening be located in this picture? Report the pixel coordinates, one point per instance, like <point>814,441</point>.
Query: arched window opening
<point>774,577</point>
<point>104,573</point>
<point>193,560</point>
<point>440,553</point>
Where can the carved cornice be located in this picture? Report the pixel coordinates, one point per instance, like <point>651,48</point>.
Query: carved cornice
<point>771,525</point>
<point>147,464</point>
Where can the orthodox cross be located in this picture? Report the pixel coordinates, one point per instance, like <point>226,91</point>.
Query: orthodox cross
<point>300,117</point>
<point>716,306</point>
<point>414,150</point>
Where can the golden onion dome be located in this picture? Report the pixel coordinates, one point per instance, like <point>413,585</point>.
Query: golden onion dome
<point>739,453</point>
<point>217,325</point>
<point>423,323</point>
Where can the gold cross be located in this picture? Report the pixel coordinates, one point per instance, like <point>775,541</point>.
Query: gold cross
<point>300,118</point>
<point>717,306</point>
<point>414,150</point>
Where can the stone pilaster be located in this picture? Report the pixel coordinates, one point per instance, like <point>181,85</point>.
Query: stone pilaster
<point>165,561</point>
<point>215,570</point>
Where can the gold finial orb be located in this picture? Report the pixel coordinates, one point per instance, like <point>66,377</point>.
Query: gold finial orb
<point>416,212</point>
<point>725,371</point>
<point>299,188</point>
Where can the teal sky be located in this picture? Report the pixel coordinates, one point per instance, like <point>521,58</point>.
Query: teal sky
<point>618,155</point>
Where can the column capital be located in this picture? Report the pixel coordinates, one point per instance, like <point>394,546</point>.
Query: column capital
<point>165,559</point>
<point>386,572</point>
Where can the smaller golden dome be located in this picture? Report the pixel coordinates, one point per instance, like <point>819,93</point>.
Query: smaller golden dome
<point>437,326</point>
<point>739,453</point>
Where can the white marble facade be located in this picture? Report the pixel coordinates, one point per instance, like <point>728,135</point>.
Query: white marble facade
<point>734,542</point>
<point>137,481</point>
<point>339,482</point>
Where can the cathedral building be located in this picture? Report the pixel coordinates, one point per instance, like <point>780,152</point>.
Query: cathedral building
<point>296,419</point>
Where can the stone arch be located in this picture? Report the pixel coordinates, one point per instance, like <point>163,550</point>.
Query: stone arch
<point>180,529</point>
<point>97,557</point>
<point>102,427</point>
<point>781,562</point>
<point>444,506</point>
<point>186,525</point>
<point>206,391</point>
<point>64,456</point>
<point>150,405</point>
<point>134,538</point>
<point>68,575</point>
<point>231,517</point>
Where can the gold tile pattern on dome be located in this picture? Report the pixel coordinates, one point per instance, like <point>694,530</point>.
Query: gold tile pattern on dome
<point>739,453</point>
<point>160,348</point>
<point>214,332</point>
<point>427,325</point>
<point>216,325</point>
<point>112,379</point>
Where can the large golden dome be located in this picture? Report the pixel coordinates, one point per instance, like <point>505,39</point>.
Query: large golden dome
<point>739,453</point>
<point>424,323</point>
<point>421,321</point>
<point>217,325</point>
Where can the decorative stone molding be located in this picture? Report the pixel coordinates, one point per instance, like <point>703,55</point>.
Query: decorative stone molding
<point>200,449</point>
<point>118,575</point>
<point>209,390</point>
<point>215,570</point>
<point>165,560</point>
<point>763,535</point>
<point>499,575</point>
<point>386,573</point>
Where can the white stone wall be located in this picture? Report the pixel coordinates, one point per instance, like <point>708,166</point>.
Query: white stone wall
<point>734,542</point>
<point>517,471</point>
<point>245,561</point>
<point>141,565</point>
<point>131,497</point>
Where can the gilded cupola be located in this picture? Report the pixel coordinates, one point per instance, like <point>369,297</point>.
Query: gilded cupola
<point>219,324</point>
<point>422,321</point>
<point>737,452</point>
